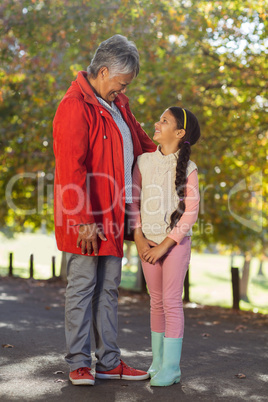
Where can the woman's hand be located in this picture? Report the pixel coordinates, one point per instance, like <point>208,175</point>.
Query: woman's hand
<point>88,238</point>
<point>142,243</point>
<point>155,253</point>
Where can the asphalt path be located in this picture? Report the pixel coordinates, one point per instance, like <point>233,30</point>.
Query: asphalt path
<point>225,353</point>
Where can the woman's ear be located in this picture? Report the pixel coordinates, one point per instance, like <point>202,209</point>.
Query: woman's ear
<point>103,72</point>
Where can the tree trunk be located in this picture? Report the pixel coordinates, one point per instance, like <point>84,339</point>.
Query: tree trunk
<point>245,278</point>
<point>260,273</point>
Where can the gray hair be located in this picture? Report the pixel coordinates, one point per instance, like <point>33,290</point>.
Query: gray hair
<point>118,54</point>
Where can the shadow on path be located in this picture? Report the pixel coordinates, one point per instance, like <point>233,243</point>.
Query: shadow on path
<point>218,345</point>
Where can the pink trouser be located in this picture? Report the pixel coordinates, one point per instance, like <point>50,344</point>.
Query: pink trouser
<point>165,282</point>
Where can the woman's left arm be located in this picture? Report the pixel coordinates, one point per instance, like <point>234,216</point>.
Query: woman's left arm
<point>146,143</point>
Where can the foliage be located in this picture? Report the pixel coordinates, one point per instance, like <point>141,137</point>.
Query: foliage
<point>208,56</point>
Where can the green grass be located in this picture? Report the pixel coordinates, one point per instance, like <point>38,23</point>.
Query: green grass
<point>210,274</point>
<point>43,247</point>
<point>210,281</point>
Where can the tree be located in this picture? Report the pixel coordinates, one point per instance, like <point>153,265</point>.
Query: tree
<point>208,56</point>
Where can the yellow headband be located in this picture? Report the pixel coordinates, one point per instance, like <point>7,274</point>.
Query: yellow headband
<point>185,119</point>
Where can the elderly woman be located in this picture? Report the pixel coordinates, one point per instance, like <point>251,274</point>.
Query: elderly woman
<point>96,141</point>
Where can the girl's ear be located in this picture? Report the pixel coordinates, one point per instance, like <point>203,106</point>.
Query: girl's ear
<point>181,133</point>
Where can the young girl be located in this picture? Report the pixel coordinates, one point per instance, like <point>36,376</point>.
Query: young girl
<point>165,206</point>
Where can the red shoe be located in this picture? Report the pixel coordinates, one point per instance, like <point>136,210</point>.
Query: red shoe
<point>82,376</point>
<point>122,371</point>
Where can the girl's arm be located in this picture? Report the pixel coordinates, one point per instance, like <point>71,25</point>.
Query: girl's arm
<point>142,243</point>
<point>190,215</point>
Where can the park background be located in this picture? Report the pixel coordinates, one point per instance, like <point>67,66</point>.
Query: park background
<point>207,56</point>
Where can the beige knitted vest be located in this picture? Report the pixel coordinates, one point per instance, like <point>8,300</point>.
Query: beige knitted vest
<point>159,198</point>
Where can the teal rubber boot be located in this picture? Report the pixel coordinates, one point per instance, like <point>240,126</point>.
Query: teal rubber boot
<point>157,349</point>
<point>170,372</point>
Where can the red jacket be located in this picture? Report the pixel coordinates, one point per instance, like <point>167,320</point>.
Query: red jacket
<point>89,174</point>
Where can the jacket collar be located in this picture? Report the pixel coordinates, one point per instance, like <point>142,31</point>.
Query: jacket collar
<point>89,95</point>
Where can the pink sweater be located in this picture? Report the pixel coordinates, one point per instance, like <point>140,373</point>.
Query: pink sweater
<point>187,220</point>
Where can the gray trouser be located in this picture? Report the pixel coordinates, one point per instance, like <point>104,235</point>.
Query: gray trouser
<point>92,297</point>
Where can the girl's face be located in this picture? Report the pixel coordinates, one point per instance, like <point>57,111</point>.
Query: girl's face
<point>166,130</point>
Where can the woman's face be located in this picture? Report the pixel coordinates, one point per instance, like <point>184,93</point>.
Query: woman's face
<point>166,130</point>
<point>111,87</point>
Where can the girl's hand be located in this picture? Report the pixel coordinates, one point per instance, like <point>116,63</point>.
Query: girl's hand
<point>155,253</point>
<point>142,243</point>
